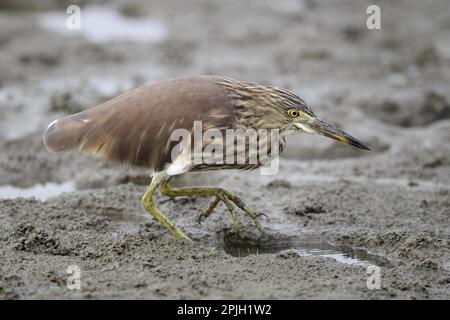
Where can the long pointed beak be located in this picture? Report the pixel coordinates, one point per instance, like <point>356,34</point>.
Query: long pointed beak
<point>321,127</point>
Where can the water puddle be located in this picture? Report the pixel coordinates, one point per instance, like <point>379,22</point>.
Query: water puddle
<point>103,24</point>
<point>39,191</point>
<point>341,254</point>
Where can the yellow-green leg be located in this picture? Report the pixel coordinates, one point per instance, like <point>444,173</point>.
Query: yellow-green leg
<point>227,197</point>
<point>147,201</point>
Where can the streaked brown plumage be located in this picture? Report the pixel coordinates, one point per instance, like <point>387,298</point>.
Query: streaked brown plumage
<point>135,127</point>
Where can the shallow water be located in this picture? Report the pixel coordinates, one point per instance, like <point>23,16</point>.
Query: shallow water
<point>104,24</point>
<point>341,254</point>
<point>39,191</point>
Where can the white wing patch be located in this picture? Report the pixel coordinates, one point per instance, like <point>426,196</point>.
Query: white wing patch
<point>178,168</point>
<point>182,163</point>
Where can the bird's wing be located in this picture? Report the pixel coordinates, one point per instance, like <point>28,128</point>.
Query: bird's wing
<point>135,127</point>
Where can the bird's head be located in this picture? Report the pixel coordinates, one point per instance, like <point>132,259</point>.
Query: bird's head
<point>299,117</point>
<point>275,108</point>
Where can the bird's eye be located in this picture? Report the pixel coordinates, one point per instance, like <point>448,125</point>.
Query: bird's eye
<point>293,113</point>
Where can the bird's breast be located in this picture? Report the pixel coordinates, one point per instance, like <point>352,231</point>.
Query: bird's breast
<point>237,149</point>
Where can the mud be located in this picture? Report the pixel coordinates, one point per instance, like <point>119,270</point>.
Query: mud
<point>389,208</point>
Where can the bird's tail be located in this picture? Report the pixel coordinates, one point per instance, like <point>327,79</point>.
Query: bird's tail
<point>65,133</point>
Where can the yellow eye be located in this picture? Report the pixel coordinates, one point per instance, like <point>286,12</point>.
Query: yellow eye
<point>293,113</point>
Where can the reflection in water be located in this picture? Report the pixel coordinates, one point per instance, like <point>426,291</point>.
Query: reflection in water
<point>39,191</point>
<point>342,254</point>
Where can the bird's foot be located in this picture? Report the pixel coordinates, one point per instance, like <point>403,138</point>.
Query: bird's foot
<point>236,222</point>
<point>229,198</point>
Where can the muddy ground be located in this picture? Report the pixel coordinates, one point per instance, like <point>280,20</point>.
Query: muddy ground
<point>389,207</point>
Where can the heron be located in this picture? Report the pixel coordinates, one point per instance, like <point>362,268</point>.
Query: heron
<point>135,128</point>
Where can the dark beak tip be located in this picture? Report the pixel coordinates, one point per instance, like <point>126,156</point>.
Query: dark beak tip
<point>359,145</point>
<point>356,143</point>
<point>329,131</point>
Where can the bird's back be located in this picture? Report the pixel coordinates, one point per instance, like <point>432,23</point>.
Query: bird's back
<point>135,127</point>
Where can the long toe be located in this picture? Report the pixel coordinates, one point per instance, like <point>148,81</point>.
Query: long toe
<point>208,211</point>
